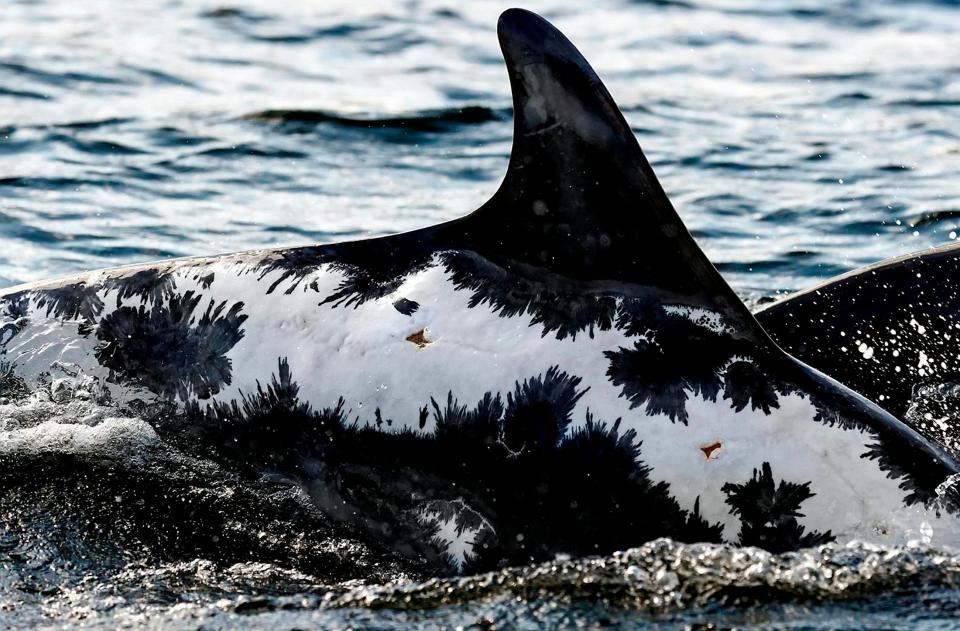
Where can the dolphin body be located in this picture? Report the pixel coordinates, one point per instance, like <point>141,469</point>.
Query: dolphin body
<point>891,331</point>
<point>561,371</point>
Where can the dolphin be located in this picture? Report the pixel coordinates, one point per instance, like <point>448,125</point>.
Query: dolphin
<point>891,331</point>
<point>562,371</point>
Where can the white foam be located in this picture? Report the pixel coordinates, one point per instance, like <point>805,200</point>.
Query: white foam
<point>112,437</point>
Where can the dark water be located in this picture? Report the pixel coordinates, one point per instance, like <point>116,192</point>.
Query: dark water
<point>797,139</point>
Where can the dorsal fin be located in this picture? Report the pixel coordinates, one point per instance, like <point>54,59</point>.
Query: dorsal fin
<point>579,197</point>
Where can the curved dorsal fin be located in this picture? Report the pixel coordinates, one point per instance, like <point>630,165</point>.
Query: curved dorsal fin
<point>579,197</point>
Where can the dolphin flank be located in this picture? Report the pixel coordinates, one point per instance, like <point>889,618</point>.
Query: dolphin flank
<point>560,371</point>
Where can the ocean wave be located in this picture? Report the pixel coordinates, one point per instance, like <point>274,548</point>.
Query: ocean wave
<point>665,575</point>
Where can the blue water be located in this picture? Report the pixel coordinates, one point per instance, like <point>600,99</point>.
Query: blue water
<point>798,140</point>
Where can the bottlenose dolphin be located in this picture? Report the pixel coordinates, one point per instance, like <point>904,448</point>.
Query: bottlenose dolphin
<point>890,331</point>
<point>561,371</point>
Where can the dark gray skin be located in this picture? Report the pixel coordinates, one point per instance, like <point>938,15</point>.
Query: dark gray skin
<point>906,311</point>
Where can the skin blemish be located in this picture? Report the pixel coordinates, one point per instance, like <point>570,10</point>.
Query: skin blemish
<point>419,338</point>
<point>709,451</point>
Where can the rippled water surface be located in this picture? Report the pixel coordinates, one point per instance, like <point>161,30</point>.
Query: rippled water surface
<point>797,139</point>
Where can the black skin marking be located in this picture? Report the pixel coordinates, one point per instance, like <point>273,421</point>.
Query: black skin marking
<point>745,384</point>
<point>561,307</point>
<point>543,489</point>
<point>374,270</point>
<point>205,280</point>
<point>538,411</point>
<point>294,265</point>
<point>406,307</point>
<point>153,285</point>
<point>169,348</point>
<point>478,425</point>
<point>680,359</point>
<point>78,301</point>
<point>768,513</point>
<point>13,314</point>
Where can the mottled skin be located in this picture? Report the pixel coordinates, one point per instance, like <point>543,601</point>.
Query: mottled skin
<point>561,371</point>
